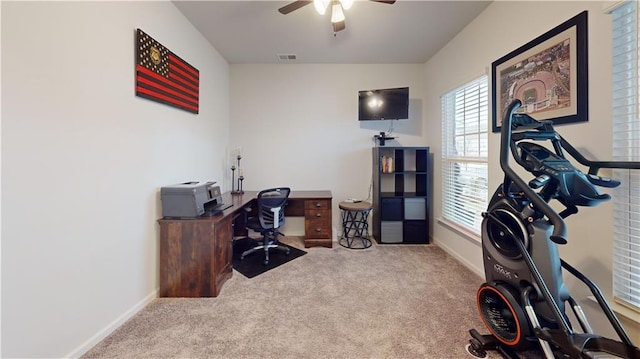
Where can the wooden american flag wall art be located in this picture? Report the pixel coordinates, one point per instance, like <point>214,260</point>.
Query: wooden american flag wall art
<point>164,77</point>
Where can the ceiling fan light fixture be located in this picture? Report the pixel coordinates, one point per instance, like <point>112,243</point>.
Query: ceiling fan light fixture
<point>337,15</point>
<point>321,6</point>
<point>346,4</point>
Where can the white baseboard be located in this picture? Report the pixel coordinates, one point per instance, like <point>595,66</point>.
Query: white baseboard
<point>100,335</point>
<point>464,261</point>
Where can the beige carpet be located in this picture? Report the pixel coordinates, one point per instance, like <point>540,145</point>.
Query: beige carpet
<point>388,301</point>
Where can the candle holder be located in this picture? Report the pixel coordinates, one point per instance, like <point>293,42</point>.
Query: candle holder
<point>233,178</point>
<point>240,178</point>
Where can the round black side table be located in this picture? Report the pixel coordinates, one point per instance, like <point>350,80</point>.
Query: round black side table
<point>355,228</point>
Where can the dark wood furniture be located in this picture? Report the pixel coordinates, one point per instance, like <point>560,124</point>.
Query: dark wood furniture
<point>315,207</point>
<point>196,254</point>
<point>401,194</point>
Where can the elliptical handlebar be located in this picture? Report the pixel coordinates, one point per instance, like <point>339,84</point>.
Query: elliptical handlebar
<point>594,166</point>
<point>559,234</point>
<point>574,187</point>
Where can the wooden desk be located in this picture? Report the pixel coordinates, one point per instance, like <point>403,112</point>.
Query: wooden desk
<point>196,254</point>
<point>315,207</point>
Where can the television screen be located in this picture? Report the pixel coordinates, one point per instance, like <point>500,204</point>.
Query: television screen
<point>383,104</point>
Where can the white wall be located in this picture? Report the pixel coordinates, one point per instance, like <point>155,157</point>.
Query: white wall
<point>83,159</point>
<point>501,28</point>
<point>298,126</point>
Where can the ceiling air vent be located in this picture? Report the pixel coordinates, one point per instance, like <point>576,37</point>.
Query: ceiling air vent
<point>287,57</point>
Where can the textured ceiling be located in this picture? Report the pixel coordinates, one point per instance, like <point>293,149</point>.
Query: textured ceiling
<point>255,32</point>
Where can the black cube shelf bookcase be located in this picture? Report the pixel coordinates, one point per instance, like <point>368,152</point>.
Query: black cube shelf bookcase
<point>401,194</point>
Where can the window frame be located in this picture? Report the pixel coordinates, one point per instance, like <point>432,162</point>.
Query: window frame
<point>625,136</point>
<point>465,171</point>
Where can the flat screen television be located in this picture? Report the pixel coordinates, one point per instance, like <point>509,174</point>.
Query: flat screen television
<point>383,104</point>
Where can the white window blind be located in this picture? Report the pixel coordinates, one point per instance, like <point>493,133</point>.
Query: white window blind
<point>464,154</point>
<point>626,147</point>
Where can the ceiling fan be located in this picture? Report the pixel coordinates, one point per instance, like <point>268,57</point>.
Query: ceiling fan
<point>337,7</point>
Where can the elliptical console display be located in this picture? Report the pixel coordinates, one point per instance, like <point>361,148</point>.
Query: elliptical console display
<point>523,301</point>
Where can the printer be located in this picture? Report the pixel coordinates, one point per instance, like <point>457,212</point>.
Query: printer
<point>190,199</point>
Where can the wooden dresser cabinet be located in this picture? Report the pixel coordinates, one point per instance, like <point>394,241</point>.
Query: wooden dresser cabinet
<point>317,224</point>
<point>315,207</point>
<point>195,256</point>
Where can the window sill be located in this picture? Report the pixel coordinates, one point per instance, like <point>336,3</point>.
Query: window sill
<point>620,310</point>
<point>464,232</point>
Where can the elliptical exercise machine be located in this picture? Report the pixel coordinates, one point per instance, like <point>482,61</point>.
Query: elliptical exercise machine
<point>522,302</point>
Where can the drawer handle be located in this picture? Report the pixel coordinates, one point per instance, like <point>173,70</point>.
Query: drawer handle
<point>318,229</point>
<point>318,214</point>
<point>318,205</point>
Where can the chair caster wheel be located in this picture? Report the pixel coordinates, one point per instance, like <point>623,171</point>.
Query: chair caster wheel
<point>265,262</point>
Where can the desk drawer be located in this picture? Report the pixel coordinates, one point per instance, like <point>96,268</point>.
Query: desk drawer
<point>317,223</point>
<point>317,204</point>
<point>318,215</point>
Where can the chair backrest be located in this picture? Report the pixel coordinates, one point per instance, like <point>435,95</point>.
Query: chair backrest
<point>271,206</point>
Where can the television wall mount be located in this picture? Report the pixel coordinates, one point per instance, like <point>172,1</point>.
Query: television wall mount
<point>382,137</point>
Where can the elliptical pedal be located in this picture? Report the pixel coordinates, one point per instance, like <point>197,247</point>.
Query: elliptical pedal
<point>476,351</point>
<point>602,355</point>
<point>479,344</point>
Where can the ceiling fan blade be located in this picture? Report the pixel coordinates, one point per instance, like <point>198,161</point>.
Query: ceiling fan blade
<point>294,6</point>
<point>338,26</point>
<point>390,2</point>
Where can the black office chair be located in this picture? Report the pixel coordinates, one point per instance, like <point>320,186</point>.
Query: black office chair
<point>270,217</point>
